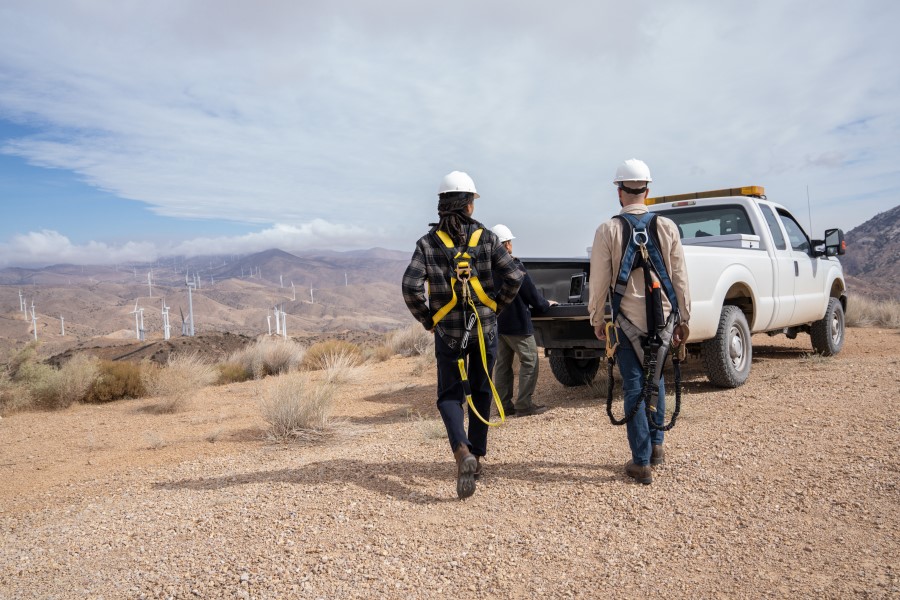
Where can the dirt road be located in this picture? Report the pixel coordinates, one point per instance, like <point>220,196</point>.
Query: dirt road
<point>786,487</point>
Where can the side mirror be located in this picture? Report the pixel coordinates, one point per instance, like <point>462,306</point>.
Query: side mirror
<point>818,248</point>
<point>834,242</point>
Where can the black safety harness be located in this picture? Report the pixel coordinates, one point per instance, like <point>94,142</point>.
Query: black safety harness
<point>640,249</point>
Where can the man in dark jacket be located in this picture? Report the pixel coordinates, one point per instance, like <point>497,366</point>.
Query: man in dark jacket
<point>461,295</point>
<point>517,339</point>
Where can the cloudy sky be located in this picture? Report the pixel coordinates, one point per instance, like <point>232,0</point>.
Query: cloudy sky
<point>131,130</point>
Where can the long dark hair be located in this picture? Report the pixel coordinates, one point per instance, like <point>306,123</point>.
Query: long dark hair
<point>452,216</point>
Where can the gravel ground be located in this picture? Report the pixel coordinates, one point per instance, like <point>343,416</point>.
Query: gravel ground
<point>786,487</point>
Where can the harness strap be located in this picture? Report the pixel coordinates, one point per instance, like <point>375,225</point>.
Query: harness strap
<point>636,237</point>
<point>461,264</point>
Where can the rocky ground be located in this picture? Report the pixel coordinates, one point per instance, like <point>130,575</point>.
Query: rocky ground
<point>786,487</point>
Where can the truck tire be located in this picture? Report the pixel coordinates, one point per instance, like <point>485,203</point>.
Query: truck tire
<point>828,334</point>
<point>728,355</point>
<point>572,372</point>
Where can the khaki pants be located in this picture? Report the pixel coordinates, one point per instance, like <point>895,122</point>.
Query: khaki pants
<point>509,346</point>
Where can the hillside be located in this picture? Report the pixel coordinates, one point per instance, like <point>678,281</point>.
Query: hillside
<point>872,262</point>
<point>332,293</point>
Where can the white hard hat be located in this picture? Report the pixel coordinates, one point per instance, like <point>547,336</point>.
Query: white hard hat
<point>503,232</point>
<point>457,181</point>
<point>632,170</point>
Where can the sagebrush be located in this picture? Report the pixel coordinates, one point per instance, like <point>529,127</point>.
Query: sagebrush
<point>269,356</point>
<point>863,311</point>
<point>411,341</point>
<point>116,381</point>
<point>295,407</point>
<point>323,354</point>
<point>178,380</point>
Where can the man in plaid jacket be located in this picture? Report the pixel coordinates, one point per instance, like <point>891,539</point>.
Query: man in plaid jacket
<point>445,313</point>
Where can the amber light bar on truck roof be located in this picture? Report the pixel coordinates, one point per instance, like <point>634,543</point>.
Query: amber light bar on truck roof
<point>757,191</point>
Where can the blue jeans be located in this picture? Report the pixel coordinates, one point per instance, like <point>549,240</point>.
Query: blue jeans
<point>640,437</point>
<point>451,396</point>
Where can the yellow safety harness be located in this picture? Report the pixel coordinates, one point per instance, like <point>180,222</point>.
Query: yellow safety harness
<point>462,273</point>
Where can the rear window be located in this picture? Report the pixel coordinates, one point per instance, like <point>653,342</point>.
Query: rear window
<point>703,221</point>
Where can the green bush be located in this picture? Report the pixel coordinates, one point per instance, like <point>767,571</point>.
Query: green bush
<point>115,381</point>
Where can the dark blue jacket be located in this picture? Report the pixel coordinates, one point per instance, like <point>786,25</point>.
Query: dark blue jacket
<point>515,319</point>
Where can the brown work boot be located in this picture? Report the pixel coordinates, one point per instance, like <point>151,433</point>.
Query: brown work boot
<point>657,455</point>
<point>640,473</point>
<point>534,409</point>
<point>478,470</point>
<point>466,465</point>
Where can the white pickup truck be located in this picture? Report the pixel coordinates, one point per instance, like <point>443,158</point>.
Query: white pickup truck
<point>751,269</point>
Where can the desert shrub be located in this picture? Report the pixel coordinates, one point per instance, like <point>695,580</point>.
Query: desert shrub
<point>411,341</point>
<point>269,356</point>
<point>342,367</point>
<point>12,396</point>
<point>232,372</point>
<point>178,380</point>
<point>378,354</point>
<point>294,407</point>
<point>20,358</point>
<point>115,381</point>
<point>53,389</point>
<point>863,311</point>
<point>332,352</point>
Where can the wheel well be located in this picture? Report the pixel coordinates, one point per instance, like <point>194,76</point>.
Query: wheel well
<point>739,295</point>
<point>838,291</point>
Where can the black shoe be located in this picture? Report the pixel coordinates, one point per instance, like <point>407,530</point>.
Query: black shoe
<point>509,411</point>
<point>534,409</point>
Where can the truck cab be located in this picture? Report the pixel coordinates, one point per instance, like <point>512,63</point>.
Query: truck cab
<point>751,269</point>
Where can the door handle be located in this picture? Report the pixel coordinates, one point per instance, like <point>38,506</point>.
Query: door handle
<point>796,269</point>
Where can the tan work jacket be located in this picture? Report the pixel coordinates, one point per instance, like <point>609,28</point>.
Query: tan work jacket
<point>606,254</point>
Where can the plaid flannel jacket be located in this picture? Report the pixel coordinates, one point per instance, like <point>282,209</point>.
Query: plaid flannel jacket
<point>429,264</point>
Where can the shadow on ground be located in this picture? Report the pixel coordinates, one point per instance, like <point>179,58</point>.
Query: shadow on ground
<point>406,480</point>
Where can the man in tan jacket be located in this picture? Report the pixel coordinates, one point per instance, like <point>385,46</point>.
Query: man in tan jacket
<point>632,179</point>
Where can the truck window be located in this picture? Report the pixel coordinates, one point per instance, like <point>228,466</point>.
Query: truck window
<point>796,235</point>
<point>774,227</point>
<point>702,221</point>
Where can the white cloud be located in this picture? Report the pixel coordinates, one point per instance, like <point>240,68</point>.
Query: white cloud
<point>349,113</point>
<point>41,248</point>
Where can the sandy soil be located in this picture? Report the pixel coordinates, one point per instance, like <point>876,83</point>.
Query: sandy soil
<point>786,487</point>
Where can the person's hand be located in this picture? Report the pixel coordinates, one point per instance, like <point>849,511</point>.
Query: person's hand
<point>678,335</point>
<point>600,332</point>
<point>553,302</point>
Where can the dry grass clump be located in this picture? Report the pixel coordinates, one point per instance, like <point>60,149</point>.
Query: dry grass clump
<point>379,354</point>
<point>867,312</point>
<point>269,356</point>
<point>28,383</point>
<point>411,341</point>
<point>296,408</point>
<point>232,372</point>
<point>115,381</point>
<point>323,355</point>
<point>178,380</point>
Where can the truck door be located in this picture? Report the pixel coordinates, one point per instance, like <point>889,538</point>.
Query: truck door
<point>809,281</point>
<point>782,272</point>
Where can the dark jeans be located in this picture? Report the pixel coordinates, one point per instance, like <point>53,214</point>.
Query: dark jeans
<point>640,437</point>
<point>451,396</point>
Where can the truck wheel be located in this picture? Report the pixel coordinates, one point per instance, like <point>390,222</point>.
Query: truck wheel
<point>573,372</point>
<point>728,355</point>
<point>828,334</point>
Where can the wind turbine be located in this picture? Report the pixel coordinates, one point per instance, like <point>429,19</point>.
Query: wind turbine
<point>138,322</point>
<point>33,320</point>
<point>281,279</point>
<point>283,322</point>
<point>22,305</point>
<point>62,325</point>
<point>345,280</point>
<point>150,281</point>
<point>165,316</point>
<point>277,320</point>
<point>191,308</point>
<point>269,322</point>
<point>293,292</point>
<point>312,299</point>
